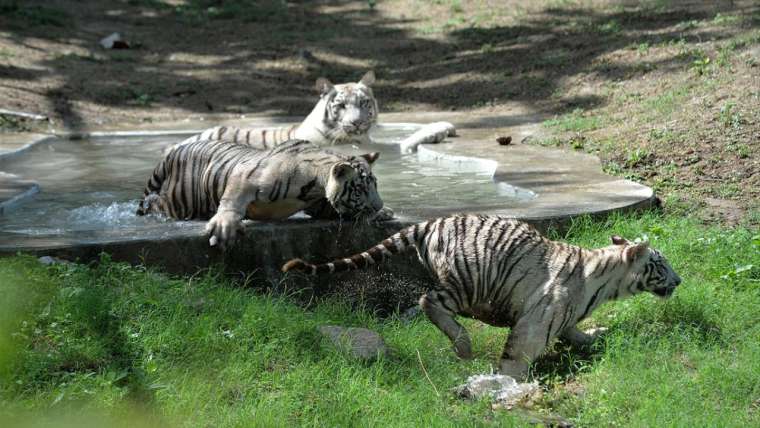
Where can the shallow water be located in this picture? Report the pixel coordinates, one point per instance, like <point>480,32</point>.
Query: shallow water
<point>91,187</point>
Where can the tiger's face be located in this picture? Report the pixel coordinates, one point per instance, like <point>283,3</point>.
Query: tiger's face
<point>350,108</point>
<point>352,188</point>
<point>653,271</point>
<point>658,276</point>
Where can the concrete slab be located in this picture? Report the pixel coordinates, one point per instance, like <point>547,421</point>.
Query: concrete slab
<point>566,184</point>
<point>13,191</point>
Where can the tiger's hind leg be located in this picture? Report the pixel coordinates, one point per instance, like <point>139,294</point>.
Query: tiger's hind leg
<point>444,320</point>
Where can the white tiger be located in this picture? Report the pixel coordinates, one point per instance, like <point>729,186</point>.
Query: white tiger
<point>344,114</point>
<point>505,273</point>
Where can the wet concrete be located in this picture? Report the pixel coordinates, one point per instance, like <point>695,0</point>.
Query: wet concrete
<point>14,191</point>
<point>566,184</point>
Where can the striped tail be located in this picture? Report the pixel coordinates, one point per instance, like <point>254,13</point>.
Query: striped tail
<point>153,187</point>
<point>395,244</point>
<point>258,138</point>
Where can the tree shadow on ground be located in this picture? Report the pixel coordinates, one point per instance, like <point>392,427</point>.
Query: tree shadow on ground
<point>263,56</point>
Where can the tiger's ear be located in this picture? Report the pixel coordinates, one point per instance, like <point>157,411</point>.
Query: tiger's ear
<point>342,171</point>
<point>368,79</point>
<point>617,240</point>
<point>324,86</point>
<point>635,253</point>
<point>371,157</point>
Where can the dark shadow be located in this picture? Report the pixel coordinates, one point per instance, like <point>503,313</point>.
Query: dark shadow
<point>241,56</point>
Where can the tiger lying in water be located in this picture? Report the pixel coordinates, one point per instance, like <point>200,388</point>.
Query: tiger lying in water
<point>503,272</point>
<point>229,182</point>
<point>344,114</point>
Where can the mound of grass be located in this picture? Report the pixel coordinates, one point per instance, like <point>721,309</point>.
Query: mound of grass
<point>115,344</point>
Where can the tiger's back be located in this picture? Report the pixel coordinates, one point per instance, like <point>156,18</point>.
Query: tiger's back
<point>188,183</point>
<point>224,183</point>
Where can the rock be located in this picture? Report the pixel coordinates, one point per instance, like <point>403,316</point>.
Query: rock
<point>114,41</point>
<point>49,260</point>
<point>359,342</point>
<point>505,391</point>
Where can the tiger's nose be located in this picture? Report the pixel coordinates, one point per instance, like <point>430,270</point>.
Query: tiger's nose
<point>678,280</point>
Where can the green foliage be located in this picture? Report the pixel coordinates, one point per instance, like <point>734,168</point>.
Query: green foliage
<point>130,345</point>
<point>246,10</point>
<point>701,62</point>
<point>574,121</point>
<point>721,19</point>
<point>33,15</point>
<point>729,117</point>
<point>609,27</point>
<point>663,105</point>
<point>643,48</point>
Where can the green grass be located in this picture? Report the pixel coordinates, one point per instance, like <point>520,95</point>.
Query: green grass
<point>113,343</point>
<point>574,121</point>
<point>33,15</point>
<point>669,101</point>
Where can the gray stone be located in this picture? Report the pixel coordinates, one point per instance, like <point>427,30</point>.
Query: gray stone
<point>361,343</point>
<point>114,41</point>
<point>504,390</point>
<point>49,260</point>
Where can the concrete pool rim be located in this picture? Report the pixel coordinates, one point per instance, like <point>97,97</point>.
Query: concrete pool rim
<point>566,184</point>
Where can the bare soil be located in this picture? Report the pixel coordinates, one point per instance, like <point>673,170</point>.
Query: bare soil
<point>666,92</point>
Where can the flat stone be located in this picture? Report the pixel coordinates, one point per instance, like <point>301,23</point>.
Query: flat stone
<point>504,390</point>
<point>361,343</point>
<point>49,260</point>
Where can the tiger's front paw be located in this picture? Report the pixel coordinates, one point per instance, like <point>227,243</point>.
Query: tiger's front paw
<point>383,214</point>
<point>223,228</point>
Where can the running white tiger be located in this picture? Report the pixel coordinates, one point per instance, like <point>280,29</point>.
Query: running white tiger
<point>504,273</point>
<point>229,182</point>
<point>344,114</point>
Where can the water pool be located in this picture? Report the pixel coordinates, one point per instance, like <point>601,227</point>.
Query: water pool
<point>89,188</point>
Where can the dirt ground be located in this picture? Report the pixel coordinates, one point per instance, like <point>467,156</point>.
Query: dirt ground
<point>665,92</point>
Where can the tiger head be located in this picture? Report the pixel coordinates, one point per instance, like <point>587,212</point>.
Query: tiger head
<point>350,108</point>
<point>352,188</point>
<point>651,269</point>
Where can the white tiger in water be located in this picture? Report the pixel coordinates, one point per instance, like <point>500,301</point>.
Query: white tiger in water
<point>344,114</point>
